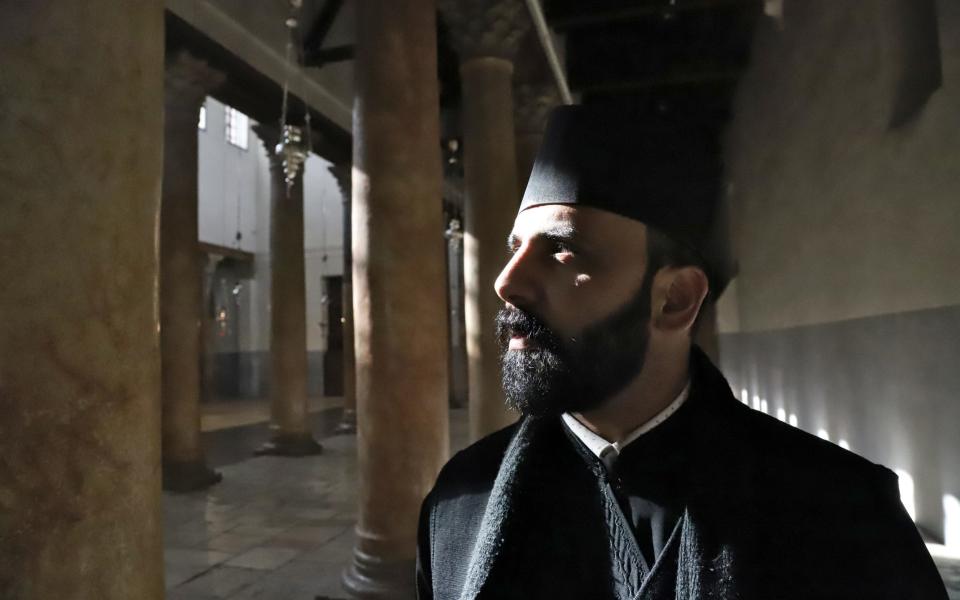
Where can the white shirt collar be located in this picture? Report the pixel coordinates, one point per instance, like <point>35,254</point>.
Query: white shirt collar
<point>607,451</point>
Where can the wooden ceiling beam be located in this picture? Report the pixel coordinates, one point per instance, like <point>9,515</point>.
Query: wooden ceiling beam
<point>586,16</point>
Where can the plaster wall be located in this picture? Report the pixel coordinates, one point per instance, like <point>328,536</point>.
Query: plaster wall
<point>846,309</point>
<point>234,196</point>
<point>854,218</point>
<point>323,240</point>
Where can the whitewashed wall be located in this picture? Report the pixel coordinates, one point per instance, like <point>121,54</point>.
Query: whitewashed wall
<point>323,239</point>
<point>234,195</point>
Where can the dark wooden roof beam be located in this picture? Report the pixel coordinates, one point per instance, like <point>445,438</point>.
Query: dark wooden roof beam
<point>584,15</point>
<point>317,35</point>
<point>325,56</point>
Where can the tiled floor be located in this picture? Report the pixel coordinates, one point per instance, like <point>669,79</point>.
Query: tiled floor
<point>275,528</point>
<point>949,564</point>
<point>282,528</point>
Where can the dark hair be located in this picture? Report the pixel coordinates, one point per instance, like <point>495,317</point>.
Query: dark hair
<point>665,251</point>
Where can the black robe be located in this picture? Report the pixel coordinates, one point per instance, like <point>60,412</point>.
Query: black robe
<point>768,512</point>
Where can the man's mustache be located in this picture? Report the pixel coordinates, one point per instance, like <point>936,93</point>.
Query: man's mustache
<point>517,322</point>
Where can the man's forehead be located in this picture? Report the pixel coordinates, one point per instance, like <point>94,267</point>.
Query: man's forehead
<point>571,221</point>
<point>545,217</point>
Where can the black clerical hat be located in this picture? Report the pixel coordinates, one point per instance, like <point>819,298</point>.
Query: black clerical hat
<point>661,170</point>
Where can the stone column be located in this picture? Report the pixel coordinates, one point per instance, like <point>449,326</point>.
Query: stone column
<point>399,299</point>
<point>532,104</point>
<point>188,81</point>
<point>348,422</point>
<point>535,94</point>
<point>486,33</point>
<point>80,163</point>
<point>289,409</point>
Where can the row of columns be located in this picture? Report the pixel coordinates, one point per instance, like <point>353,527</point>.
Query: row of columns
<point>95,313</point>
<point>187,83</point>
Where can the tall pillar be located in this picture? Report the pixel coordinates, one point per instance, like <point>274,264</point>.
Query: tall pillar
<point>399,298</point>
<point>289,409</point>
<point>535,94</point>
<point>188,80</point>
<point>486,33</point>
<point>348,422</point>
<point>80,161</point>
<point>532,104</point>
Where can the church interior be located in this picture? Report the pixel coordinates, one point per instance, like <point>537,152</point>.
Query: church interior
<point>247,304</point>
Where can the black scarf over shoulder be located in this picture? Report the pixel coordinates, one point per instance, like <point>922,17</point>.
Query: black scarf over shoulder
<point>766,511</point>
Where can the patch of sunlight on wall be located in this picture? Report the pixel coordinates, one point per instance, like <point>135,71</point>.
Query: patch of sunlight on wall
<point>793,420</point>
<point>844,444</point>
<point>782,414</point>
<point>907,493</point>
<point>756,403</point>
<point>951,522</point>
<point>823,434</point>
<point>744,397</point>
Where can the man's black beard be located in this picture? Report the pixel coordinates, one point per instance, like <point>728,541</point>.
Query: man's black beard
<point>554,376</point>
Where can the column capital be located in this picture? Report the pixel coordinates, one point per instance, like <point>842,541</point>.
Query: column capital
<point>532,103</point>
<point>486,28</point>
<point>187,81</point>
<point>342,173</point>
<point>269,136</point>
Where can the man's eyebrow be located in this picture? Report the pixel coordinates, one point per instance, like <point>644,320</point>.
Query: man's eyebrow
<point>560,233</point>
<point>563,233</point>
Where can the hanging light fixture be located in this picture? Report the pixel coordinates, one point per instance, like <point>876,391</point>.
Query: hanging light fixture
<point>292,152</point>
<point>291,148</point>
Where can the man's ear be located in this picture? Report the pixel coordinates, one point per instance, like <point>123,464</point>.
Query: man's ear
<point>678,294</point>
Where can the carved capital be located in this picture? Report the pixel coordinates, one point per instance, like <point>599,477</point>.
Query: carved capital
<point>486,28</point>
<point>269,136</point>
<point>342,173</point>
<point>532,103</point>
<point>187,81</point>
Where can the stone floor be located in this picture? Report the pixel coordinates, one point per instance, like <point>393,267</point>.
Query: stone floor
<point>275,528</point>
<point>282,528</point>
<point>949,564</point>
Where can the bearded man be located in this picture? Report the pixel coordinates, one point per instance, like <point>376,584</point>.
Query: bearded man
<point>634,473</point>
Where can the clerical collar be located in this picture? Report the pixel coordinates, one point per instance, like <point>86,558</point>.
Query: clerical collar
<point>607,451</point>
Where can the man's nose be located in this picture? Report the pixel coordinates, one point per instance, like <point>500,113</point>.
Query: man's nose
<point>516,283</point>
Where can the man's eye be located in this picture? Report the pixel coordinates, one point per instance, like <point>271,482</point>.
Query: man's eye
<point>561,250</point>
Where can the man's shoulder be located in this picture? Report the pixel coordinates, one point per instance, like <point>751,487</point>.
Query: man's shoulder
<point>478,463</point>
<point>790,459</point>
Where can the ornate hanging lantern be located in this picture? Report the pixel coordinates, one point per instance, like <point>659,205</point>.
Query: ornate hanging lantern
<point>292,152</point>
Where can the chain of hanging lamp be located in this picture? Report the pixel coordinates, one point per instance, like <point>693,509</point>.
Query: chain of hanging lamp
<point>291,148</point>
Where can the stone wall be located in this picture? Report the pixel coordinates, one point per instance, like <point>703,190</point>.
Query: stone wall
<point>846,310</point>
